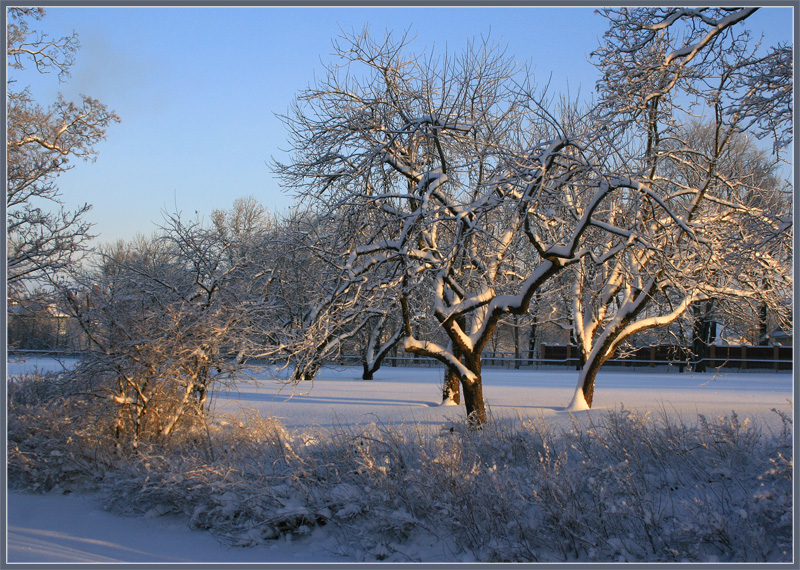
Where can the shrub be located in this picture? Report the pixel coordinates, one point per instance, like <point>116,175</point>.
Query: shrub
<point>52,441</point>
<point>612,487</point>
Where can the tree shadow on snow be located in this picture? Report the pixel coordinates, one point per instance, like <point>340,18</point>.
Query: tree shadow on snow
<point>306,399</point>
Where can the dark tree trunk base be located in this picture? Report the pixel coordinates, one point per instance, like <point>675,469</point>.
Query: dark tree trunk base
<point>473,399</point>
<point>452,387</point>
<point>368,373</point>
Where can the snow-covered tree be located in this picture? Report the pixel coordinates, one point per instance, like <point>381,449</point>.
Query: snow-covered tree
<point>456,181</point>
<point>717,222</point>
<point>310,314</point>
<point>43,236</point>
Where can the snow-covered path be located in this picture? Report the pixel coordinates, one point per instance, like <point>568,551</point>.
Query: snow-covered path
<point>69,528</point>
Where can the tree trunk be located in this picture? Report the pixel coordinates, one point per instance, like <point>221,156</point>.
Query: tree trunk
<point>368,372</point>
<point>532,344</point>
<point>306,372</point>
<point>473,395</point>
<point>573,341</point>
<point>763,340</point>
<point>473,400</point>
<point>374,353</point>
<point>452,382</point>
<point>701,334</point>
<point>368,353</point>
<point>516,342</point>
<point>584,393</point>
<point>371,368</point>
<point>452,387</point>
<point>589,373</point>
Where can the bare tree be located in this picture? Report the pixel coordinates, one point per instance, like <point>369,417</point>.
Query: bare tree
<point>716,224</point>
<point>456,180</point>
<point>310,315</point>
<point>43,236</point>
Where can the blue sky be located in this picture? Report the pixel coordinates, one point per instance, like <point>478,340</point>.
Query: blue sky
<point>197,89</point>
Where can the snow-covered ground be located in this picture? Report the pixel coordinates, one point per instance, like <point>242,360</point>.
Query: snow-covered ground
<point>19,365</point>
<point>73,529</point>
<point>414,395</point>
<point>70,528</point>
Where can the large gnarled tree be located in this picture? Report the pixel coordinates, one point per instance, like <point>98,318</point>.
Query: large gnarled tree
<point>457,182</point>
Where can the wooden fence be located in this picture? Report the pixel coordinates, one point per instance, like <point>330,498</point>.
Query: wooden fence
<point>741,357</point>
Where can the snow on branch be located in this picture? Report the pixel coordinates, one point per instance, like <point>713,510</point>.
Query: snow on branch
<point>436,122</point>
<point>688,52</point>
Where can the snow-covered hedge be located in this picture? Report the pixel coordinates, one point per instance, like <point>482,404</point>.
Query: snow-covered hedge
<point>614,486</point>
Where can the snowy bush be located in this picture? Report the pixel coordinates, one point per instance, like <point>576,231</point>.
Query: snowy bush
<point>52,442</point>
<point>168,319</point>
<point>619,486</point>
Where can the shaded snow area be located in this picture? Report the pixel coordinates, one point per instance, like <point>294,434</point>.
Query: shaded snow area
<point>23,365</point>
<point>665,467</point>
<point>73,528</point>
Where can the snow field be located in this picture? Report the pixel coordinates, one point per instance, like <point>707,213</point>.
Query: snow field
<point>667,467</point>
<point>413,395</point>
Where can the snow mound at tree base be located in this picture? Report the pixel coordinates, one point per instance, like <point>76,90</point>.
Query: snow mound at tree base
<point>578,403</point>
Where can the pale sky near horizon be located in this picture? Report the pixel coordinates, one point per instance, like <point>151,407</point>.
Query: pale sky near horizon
<point>197,89</point>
